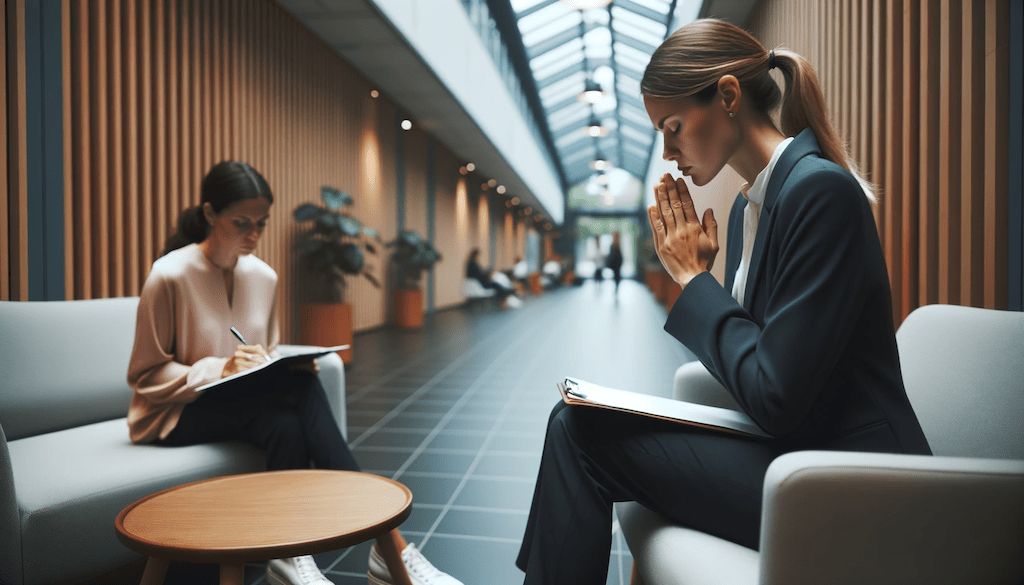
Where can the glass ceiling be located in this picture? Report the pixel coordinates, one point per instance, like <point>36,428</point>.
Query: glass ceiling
<point>611,46</point>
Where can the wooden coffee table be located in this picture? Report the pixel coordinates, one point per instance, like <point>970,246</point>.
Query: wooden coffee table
<point>259,516</point>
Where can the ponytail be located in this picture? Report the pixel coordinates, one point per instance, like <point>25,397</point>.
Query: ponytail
<point>803,106</point>
<point>192,228</point>
<point>691,61</point>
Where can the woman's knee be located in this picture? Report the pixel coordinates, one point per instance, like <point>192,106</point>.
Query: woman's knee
<point>566,422</point>
<point>286,425</point>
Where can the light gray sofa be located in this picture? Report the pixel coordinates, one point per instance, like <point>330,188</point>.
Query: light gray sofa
<point>66,464</point>
<point>838,518</point>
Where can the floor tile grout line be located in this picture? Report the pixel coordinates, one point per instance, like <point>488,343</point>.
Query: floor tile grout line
<point>448,415</point>
<point>474,387</point>
<point>434,355</point>
<point>483,449</point>
<point>426,386</point>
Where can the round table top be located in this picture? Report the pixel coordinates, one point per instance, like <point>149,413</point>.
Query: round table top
<point>259,516</point>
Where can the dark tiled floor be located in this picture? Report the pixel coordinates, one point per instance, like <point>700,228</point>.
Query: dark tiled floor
<point>457,410</point>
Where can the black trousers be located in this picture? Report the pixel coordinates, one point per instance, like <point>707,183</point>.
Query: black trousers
<point>708,481</point>
<point>287,415</point>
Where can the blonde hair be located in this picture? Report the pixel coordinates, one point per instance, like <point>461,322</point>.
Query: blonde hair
<point>692,60</point>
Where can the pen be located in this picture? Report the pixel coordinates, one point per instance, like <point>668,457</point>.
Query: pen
<point>238,335</point>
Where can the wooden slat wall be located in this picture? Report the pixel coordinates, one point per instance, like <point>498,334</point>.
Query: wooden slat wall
<point>451,216</point>
<point>919,90</point>
<point>159,90</point>
<point>13,169</point>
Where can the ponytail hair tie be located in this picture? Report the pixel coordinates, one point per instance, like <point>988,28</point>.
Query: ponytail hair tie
<point>771,60</point>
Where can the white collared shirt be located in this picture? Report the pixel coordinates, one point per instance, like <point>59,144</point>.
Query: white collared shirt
<point>751,216</point>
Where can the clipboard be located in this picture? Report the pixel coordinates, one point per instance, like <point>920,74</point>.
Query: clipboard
<point>576,392</point>
<point>273,364</point>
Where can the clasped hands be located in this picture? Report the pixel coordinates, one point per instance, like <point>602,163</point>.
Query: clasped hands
<point>248,356</point>
<point>685,246</point>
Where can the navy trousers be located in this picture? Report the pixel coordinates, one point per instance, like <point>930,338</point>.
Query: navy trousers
<point>287,415</point>
<point>704,480</point>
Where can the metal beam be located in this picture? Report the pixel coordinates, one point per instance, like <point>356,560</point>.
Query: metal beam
<point>561,74</point>
<point>635,43</point>
<point>573,127</point>
<point>558,40</point>
<point>535,8</point>
<point>508,27</point>
<point>615,83</point>
<point>570,69</point>
<point>668,27</point>
<point>641,10</point>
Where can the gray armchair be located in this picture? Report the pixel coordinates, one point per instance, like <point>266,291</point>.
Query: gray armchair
<point>66,464</point>
<point>836,518</point>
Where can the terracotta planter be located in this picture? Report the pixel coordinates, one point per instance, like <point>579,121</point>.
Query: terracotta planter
<point>534,280</point>
<point>653,280</point>
<point>670,291</point>
<point>658,279</point>
<point>409,309</point>
<point>327,324</point>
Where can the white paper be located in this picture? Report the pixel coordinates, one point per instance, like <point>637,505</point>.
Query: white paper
<point>657,406</point>
<point>298,356</point>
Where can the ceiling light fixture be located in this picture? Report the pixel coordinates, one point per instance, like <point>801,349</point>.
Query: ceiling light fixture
<point>594,128</point>
<point>406,124</point>
<point>470,167</point>
<point>592,92</point>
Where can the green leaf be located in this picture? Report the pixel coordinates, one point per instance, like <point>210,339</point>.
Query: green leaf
<point>335,199</point>
<point>349,226</point>
<point>306,212</point>
<point>325,223</point>
<point>351,259</point>
<point>410,238</point>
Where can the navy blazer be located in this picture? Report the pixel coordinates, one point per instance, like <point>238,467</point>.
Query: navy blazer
<point>811,355</point>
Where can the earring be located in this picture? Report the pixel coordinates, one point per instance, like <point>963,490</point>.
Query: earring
<point>732,114</point>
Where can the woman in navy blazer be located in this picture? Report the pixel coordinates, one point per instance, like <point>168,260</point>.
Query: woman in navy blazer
<point>810,352</point>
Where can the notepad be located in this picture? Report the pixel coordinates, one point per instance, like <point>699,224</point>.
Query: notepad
<point>576,392</point>
<point>275,364</point>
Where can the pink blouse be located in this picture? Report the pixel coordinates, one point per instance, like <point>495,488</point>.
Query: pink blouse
<point>182,333</point>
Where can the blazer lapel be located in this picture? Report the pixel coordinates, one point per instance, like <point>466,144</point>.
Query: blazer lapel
<point>734,243</point>
<point>803,144</point>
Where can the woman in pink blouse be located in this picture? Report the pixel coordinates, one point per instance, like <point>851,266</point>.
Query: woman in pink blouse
<point>206,282</point>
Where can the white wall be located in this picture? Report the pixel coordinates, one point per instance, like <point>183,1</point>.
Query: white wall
<point>441,32</point>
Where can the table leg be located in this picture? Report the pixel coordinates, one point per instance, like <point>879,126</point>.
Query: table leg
<point>155,571</point>
<point>232,574</point>
<point>634,576</point>
<point>387,544</point>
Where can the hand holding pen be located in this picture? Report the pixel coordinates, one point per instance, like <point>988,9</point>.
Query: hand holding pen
<point>246,356</point>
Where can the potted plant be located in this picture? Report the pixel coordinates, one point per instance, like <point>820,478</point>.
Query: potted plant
<point>411,257</point>
<point>331,249</point>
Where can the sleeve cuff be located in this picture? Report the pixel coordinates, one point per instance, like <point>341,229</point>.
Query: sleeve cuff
<point>696,313</point>
<point>206,370</point>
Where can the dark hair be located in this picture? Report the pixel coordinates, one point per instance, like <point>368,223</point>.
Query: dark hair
<point>225,184</point>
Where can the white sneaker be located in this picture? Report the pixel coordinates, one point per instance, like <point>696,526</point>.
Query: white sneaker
<point>295,571</point>
<point>421,572</point>
<point>514,302</point>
